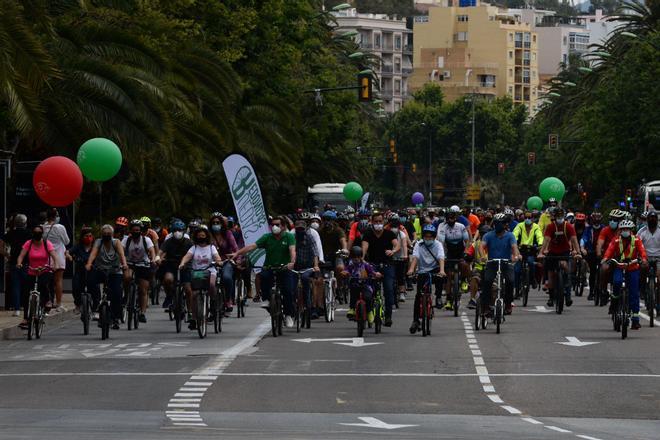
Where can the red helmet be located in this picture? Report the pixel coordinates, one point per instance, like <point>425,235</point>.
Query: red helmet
<point>580,217</point>
<point>121,221</point>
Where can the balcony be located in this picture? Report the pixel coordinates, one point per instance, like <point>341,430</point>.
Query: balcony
<point>387,47</point>
<point>408,48</point>
<point>407,70</point>
<point>487,85</point>
<point>364,45</point>
<point>519,44</point>
<point>386,93</point>
<point>386,68</point>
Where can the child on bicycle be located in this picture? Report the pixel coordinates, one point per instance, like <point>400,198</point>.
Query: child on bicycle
<point>473,255</point>
<point>428,257</point>
<point>360,273</point>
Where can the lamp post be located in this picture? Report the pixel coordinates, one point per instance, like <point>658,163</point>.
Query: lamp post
<point>473,142</point>
<point>430,166</point>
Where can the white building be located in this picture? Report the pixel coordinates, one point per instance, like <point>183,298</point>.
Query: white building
<point>388,38</point>
<point>599,27</point>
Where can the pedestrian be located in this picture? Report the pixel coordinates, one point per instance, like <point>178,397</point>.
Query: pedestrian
<point>39,252</point>
<point>14,239</point>
<point>78,255</point>
<point>56,233</point>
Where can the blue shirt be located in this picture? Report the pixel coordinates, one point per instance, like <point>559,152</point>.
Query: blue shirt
<point>499,247</point>
<point>512,225</point>
<point>464,221</point>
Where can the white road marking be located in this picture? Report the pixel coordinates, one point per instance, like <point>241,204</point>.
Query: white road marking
<point>372,422</point>
<point>495,398</point>
<point>511,409</point>
<point>204,378</point>
<point>193,389</point>
<point>183,405</point>
<point>185,400</point>
<point>586,437</point>
<point>531,420</point>
<point>488,389</point>
<point>200,384</point>
<point>554,428</point>
<point>189,424</point>
<point>188,394</point>
<point>575,342</point>
<point>476,352</point>
<point>478,361</point>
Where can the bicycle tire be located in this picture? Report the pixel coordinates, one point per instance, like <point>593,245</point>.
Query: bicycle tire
<point>219,311</point>
<point>202,313</point>
<point>299,309</point>
<point>426,320</point>
<point>39,323</point>
<point>498,317</point>
<point>360,317</point>
<point>456,298</point>
<point>596,293</point>
<point>178,309</point>
<point>378,322</point>
<point>84,313</point>
<point>274,314</point>
<point>240,311</point>
<point>136,317</point>
<point>650,298</point>
<point>477,313</point>
<point>526,285</point>
<point>327,310</point>
<point>104,321</point>
<point>625,313</point>
<point>30,319</point>
<point>130,307</point>
<point>559,292</point>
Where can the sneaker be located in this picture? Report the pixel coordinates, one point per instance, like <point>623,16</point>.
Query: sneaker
<point>569,301</point>
<point>550,303</point>
<point>402,297</point>
<point>449,306</point>
<point>464,286</point>
<point>95,316</point>
<point>17,313</point>
<point>635,325</point>
<point>256,299</point>
<point>472,304</point>
<point>351,314</point>
<point>414,328</point>
<point>545,286</point>
<point>229,306</point>
<point>590,297</point>
<point>23,325</point>
<point>288,321</point>
<point>115,325</point>
<point>370,317</point>
<point>388,321</point>
<point>142,318</point>
<point>192,325</point>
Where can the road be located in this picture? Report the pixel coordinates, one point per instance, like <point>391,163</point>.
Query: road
<point>325,383</point>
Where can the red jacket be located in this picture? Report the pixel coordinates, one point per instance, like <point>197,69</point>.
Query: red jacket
<point>614,250</point>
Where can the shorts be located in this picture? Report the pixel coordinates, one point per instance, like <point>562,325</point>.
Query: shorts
<point>59,261</point>
<point>553,263</point>
<point>477,274</point>
<point>142,272</point>
<point>173,268</point>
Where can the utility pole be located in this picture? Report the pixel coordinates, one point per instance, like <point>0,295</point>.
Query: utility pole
<point>430,166</point>
<point>474,96</point>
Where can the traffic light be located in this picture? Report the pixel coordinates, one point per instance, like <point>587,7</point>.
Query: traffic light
<point>584,196</point>
<point>395,158</point>
<point>392,146</point>
<point>414,168</point>
<point>365,90</point>
<point>629,195</point>
<point>500,168</point>
<point>531,158</point>
<point>553,141</point>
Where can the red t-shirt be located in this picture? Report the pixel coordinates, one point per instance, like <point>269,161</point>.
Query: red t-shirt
<point>37,254</point>
<point>607,235</point>
<point>619,244</point>
<point>560,237</point>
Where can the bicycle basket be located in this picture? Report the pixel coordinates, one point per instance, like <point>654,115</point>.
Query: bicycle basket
<point>200,279</point>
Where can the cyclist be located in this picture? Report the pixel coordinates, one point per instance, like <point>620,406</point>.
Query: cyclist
<point>148,232</point>
<point>455,238</point>
<point>121,226</point>
<point>107,258</point>
<point>160,230</point>
<point>650,237</point>
<point>607,234</point>
<point>358,228</point>
<point>511,222</point>
<point>399,231</point>
<point>223,240</point>
<point>79,254</point>
<point>202,255</point>
<point>333,239</point>
<point>529,237</point>
<point>474,221</point>
<point>498,244</point>
<point>307,256</point>
<point>626,248</point>
<point>280,247</point>
<point>140,253</point>
<point>428,257</point>
<point>473,255</point>
<point>313,227</point>
<point>559,241</point>
<point>378,246</point>
<point>588,248</point>
<point>545,218</point>
<point>357,268</point>
<point>171,253</point>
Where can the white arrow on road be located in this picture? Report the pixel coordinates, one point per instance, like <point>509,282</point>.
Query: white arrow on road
<point>575,342</point>
<point>371,422</point>
<point>349,342</point>
<point>540,309</point>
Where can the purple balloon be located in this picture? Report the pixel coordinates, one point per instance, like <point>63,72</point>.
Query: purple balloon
<point>418,198</point>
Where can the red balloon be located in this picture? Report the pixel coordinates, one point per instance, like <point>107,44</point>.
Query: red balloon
<point>57,181</point>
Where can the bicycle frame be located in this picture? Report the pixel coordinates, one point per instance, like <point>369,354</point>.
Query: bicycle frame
<point>303,313</point>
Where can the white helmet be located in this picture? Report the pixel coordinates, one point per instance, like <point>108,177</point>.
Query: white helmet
<point>626,224</point>
<point>570,215</point>
<point>455,208</point>
<point>499,217</point>
<point>315,217</point>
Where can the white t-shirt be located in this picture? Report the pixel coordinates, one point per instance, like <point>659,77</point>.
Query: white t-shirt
<point>203,257</point>
<point>427,257</point>
<point>135,252</point>
<point>56,234</point>
<point>317,242</point>
<point>171,234</point>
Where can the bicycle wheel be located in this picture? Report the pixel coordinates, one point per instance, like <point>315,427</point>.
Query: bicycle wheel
<point>625,313</point>
<point>130,307</point>
<point>299,310</point>
<point>178,308</point>
<point>219,311</point>
<point>32,307</point>
<point>360,314</point>
<point>456,299</point>
<point>240,299</point>
<point>559,292</point>
<point>202,313</point>
<point>650,299</point>
<point>498,315</point>
<point>477,313</point>
<point>104,321</point>
<point>596,293</point>
<point>280,315</point>
<point>328,307</point>
<point>85,312</point>
<point>526,283</point>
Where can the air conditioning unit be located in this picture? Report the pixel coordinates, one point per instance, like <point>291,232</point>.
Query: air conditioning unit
<point>446,74</point>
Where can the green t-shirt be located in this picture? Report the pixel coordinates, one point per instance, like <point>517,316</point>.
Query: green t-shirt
<point>277,251</point>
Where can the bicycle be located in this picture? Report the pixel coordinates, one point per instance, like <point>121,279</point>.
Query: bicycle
<point>579,278</point>
<point>621,314</point>
<point>361,303</point>
<point>276,305</point>
<point>217,304</point>
<point>177,309</point>
<point>481,314</point>
<point>329,286</point>
<point>154,292</point>
<point>132,302</point>
<point>85,309</point>
<point>399,264</point>
<point>652,292</point>
<point>302,314</point>
<point>199,282</point>
<point>454,276</point>
<point>426,304</point>
<point>105,314</point>
<point>379,310</point>
<point>559,289</point>
<point>36,314</point>
<point>241,291</point>
<point>525,281</point>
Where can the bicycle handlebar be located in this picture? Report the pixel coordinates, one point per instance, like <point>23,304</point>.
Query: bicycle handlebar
<point>624,264</point>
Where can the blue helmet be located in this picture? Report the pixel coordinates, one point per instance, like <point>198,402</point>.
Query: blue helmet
<point>178,225</point>
<point>429,228</point>
<point>330,215</point>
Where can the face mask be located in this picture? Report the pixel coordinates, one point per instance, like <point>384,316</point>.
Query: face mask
<point>37,235</point>
<point>216,228</point>
<point>135,234</point>
<point>652,223</point>
<point>528,221</point>
<point>200,240</point>
<point>315,226</point>
<point>395,230</point>
<point>87,240</point>
<point>178,235</point>
<point>276,230</point>
<point>499,227</point>
<point>378,227</point>
<point>106,237</point>
<point>428,242</point>
<point>625,234</point>
<point>404,219</point>
<point>613,224</point>
<point>560,221</point>
<point>57,219</point>
<point>451,222</point>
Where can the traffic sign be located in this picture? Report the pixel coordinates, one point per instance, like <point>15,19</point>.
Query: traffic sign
<point>473,192</point>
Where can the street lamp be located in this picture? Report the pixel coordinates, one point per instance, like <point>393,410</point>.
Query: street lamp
<point>430,165</point>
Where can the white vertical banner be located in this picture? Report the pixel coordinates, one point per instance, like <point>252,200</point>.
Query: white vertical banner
<point>365,199</point>
<point>249,205</point>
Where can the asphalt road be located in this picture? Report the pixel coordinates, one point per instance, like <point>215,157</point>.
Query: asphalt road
<point>326,383</point>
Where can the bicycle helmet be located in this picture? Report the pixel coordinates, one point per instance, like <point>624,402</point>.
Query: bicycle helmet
<point>178,225</point>
<point>627,215</point>
<point>304,216</point>
<point>136,222</point>
<point>145,219</point>
<point>429,228</point>
<point>617,214</point>
<point>644,215</point>
<point>454,208</point>
<point>314,217</point>
<point>651,213</point>
<point>330,215</point>
<point>596,217</point>
<point>508,212</point>
<point>570,215</point>
<point>193,224</point>
<point>499,217</point>
<point>580,217</point>
<point>356,252</point>
<point>552,200</point>
<point>121,221</point>
<point>626,224</point>
<point>343,217</point>
<point>559,212</point>
<point>349,210</point>
<point>519,211</point>
<point>393,216</point>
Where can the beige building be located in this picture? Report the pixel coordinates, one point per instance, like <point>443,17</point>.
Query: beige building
<point>478,49</point>
<point>388,38</point>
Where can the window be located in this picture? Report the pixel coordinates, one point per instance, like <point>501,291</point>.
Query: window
<point>486,80</point>
<point>397,106</point>
<point>564,40</point>
<point>441,62</point>
<point>397,42</point>
<point>462,17</point>
<point>510,37</point>
<point>565,59</point>
<point>510,90</point>
<point>461,36</point>
<point>534,38</point>
<point>510,73</point>
<point>397,65</point>
<point>510,54</point>
<point>377,41</point>
<point>397,87</point>
<point>578,42</point>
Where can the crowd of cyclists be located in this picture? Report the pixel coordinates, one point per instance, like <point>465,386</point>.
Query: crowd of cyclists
<point>392,249</point>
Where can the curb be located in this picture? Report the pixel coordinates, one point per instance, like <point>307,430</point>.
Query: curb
<point>15,332</point>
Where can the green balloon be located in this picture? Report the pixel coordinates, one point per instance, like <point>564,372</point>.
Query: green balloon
<point>99,159</point>
<point>353,191</point>
<point>534,202</point>
<point>552,187</point>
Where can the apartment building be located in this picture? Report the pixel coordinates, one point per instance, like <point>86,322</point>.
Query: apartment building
<point>468,47</point>
<point>390,39</point>
<point>600,26</point>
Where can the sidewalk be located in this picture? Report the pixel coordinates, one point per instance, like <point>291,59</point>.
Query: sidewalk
<point>9,324</point>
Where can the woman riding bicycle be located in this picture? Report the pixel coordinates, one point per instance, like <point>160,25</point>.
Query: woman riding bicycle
<point>360,272</point>
<point>223,240</point>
